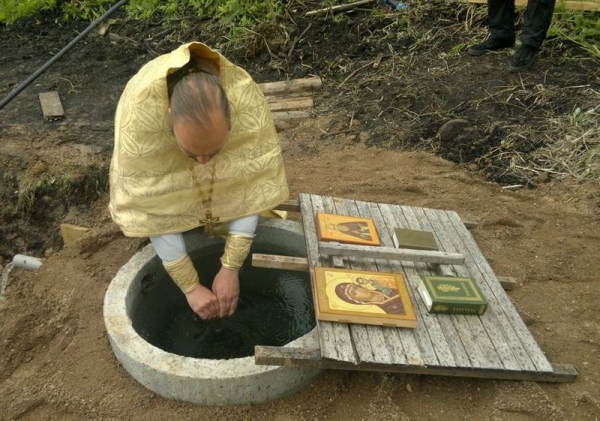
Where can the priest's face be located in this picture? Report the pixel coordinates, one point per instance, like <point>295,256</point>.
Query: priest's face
<point>201,142</point>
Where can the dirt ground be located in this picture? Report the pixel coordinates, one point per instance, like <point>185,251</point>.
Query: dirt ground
<point>375,135</point>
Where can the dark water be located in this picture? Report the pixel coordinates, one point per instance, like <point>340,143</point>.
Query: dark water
<point>274,308</point>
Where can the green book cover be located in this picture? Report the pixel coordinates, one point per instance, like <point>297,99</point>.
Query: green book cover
<point>452,295</point>
<point>414,239</point>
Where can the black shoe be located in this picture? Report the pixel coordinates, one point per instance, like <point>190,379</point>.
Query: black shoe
<point>523,58</point>
<point>491,44</point>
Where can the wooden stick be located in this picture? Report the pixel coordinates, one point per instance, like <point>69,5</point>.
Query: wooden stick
<point>390,253</point>
<point>298,38</point>
<point>340,8</point>
<point>280,262</point>
<point>377,60</point>
<point>355,72</point>
<point>289,86</point>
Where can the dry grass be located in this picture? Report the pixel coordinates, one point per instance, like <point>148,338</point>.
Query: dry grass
<point>573,148</point>
<point>556,131</point>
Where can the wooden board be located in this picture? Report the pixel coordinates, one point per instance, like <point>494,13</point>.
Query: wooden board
<point>71,233</point>
<point>51,106</point>
<point>279,262</point>
<point>291,104</point>
<point>290,115</point>
<point>274,261</point>
<point>496,344</point>
<point>334,338</point>
<point>311,359</point>
<point>390,253</point>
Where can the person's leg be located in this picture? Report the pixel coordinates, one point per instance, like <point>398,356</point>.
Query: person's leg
<point>537,21</point>
<point>501,20</point>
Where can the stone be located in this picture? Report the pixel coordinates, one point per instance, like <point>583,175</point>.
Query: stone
<point>452,129</point>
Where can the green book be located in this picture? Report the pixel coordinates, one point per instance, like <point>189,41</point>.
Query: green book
<point>452,295</point>
<point>414,239</point>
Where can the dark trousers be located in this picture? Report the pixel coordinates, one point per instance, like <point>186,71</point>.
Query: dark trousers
<point>501,18</point>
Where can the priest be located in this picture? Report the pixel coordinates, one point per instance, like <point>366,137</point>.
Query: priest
<point>195,146</point>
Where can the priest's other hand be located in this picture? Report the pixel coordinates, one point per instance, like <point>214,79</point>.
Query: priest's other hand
<point>226,287</point>
<point>203,302</point>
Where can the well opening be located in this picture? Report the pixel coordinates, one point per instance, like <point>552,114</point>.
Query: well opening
<point>274,308</point>
<point>164,346</point>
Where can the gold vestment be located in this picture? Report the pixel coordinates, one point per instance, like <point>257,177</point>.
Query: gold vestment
<point>152,191</point>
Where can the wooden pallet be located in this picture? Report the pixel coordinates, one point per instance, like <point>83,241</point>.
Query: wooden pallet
<point>494,345</point>
<point>290,100</point>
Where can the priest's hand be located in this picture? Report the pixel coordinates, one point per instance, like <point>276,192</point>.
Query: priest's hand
<point>226,287</point>
<point>203,302</point>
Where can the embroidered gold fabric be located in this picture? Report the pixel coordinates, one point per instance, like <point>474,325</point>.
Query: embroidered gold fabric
<point>151,188</point>
<point>183,273</point>
<point>237,248</point>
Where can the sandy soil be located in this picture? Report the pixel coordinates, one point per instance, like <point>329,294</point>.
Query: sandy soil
<point>55,360</point>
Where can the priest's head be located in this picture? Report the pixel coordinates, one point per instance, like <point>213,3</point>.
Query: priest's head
<point>199,110</point>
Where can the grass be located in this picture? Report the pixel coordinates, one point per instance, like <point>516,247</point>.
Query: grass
<point>549,129</point>
<point>579,27</point>
<point>12,10</point>
<point>559,118</point>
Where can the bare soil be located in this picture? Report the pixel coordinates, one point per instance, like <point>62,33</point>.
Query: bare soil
<point>375,136</point>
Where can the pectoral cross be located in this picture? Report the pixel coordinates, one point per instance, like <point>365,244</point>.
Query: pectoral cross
<point>209,221</point>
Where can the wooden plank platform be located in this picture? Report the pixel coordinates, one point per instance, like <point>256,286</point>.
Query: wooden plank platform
<point>496,344</point>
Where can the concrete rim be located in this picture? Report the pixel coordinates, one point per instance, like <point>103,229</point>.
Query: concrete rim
<point>171,375</point>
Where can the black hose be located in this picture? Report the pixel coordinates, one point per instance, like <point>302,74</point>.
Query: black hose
<point>58,55</point>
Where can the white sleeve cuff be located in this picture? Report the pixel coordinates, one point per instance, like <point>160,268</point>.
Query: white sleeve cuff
<point>244,226</point>
<point>169,247</point>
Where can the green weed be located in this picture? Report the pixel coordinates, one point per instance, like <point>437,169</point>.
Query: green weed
<point>580,27</point>
<point>578,116</point>
<point>237,14</point>
<point>11,10</point>
<point>456,50</point>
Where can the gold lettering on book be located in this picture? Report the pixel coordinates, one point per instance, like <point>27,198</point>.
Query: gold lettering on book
<point>448,288</point>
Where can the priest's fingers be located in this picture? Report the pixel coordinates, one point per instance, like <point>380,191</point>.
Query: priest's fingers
<point>210,311</point>
<point>227,304</point>
<point>203,302</point>
<point>233,306</point>
<point>224,304</point>
<point>226,287</point>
